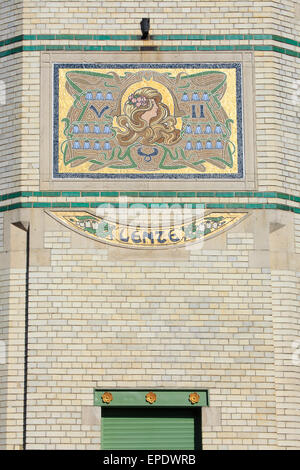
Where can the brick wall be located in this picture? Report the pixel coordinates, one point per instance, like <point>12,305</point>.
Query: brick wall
<point>224,318</point>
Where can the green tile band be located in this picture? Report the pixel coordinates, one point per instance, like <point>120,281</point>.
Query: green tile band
<point>93,205</point>
<point>157,37</point>
<point>173,194</point>
<point>154,37</point>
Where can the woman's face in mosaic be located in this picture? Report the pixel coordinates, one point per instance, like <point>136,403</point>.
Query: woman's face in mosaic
<point>151,112</point>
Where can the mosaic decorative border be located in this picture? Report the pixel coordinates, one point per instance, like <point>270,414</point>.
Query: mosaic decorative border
<point>137,236</point>
<point>212,145</point>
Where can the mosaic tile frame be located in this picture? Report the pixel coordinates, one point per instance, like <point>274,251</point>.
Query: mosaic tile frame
<point>51,179</point>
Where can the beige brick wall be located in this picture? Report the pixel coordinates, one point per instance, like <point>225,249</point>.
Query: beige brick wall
<point>113,16</point>
<point>12,325</point>
<point>286,320</point>
<point>10,18</point>
<point>10,123</point>
<point>224,318</point>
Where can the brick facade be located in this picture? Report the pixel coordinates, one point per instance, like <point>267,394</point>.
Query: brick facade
<point>224,317</point>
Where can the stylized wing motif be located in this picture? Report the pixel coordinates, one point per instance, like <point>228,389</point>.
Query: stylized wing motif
<point>207,128</point>
<point>88,124</point>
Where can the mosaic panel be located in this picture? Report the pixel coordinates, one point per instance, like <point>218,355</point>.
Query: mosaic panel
<point>136,236</point>
<point>148,121</point>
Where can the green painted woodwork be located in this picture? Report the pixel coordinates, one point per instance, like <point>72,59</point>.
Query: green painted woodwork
<point>145,429</point>
<point>136,398</point>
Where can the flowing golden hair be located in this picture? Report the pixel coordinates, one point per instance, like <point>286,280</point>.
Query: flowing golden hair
<point>132,127</point>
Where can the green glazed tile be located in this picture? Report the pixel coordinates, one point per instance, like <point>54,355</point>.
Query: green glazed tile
<point>177,36</point>
<point>285,40</point>
<point>187,48</point>
<point>224,194</point>
<point>147,194</point>
<point>64,36</point>
<point>243,47</point>
<point>50,194</point>
<point>83,36</point>
<point>29,37</point>
<point>71,193</point>
<point>159,37</point>
<point>46,36</point>
<point>90,193</point>
<point>283,196</point>
<point>34,48</point>
<point>60,204</point>
<point>196,37</point>
<point>42,204</point>
<point>235,205</point>
<point>109,194</point>
<point>92,48</point>
<point>263,48</point>
<point>215,206</point>
<point>167,48</point>
<point>206,194</point>
<point>80,204</point>
<point>54,48</point>
<point>129,193</point>
<point>278,49</point>
<point>167,194</point>
<point>214,37</point>
<point>292,53</point>
<point>254,206</point>
<point>73,48</point>
<point>111,48</point>
<point>14,195</point>
<point>283,207</point>
<point>120,37</point>
<point>101,37</point>
<point>186,194</point>
<point>15,50</point>
<point>129,48</point>
<point>206,48</point>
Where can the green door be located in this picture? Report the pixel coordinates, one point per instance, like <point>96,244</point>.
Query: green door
<point>146,428</point>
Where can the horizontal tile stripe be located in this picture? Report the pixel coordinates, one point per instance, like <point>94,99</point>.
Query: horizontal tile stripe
<point>150,48</point>
<point>219,205</point>
<point>128,37</point>
<point>153,37</point>
<point>173,194</point>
